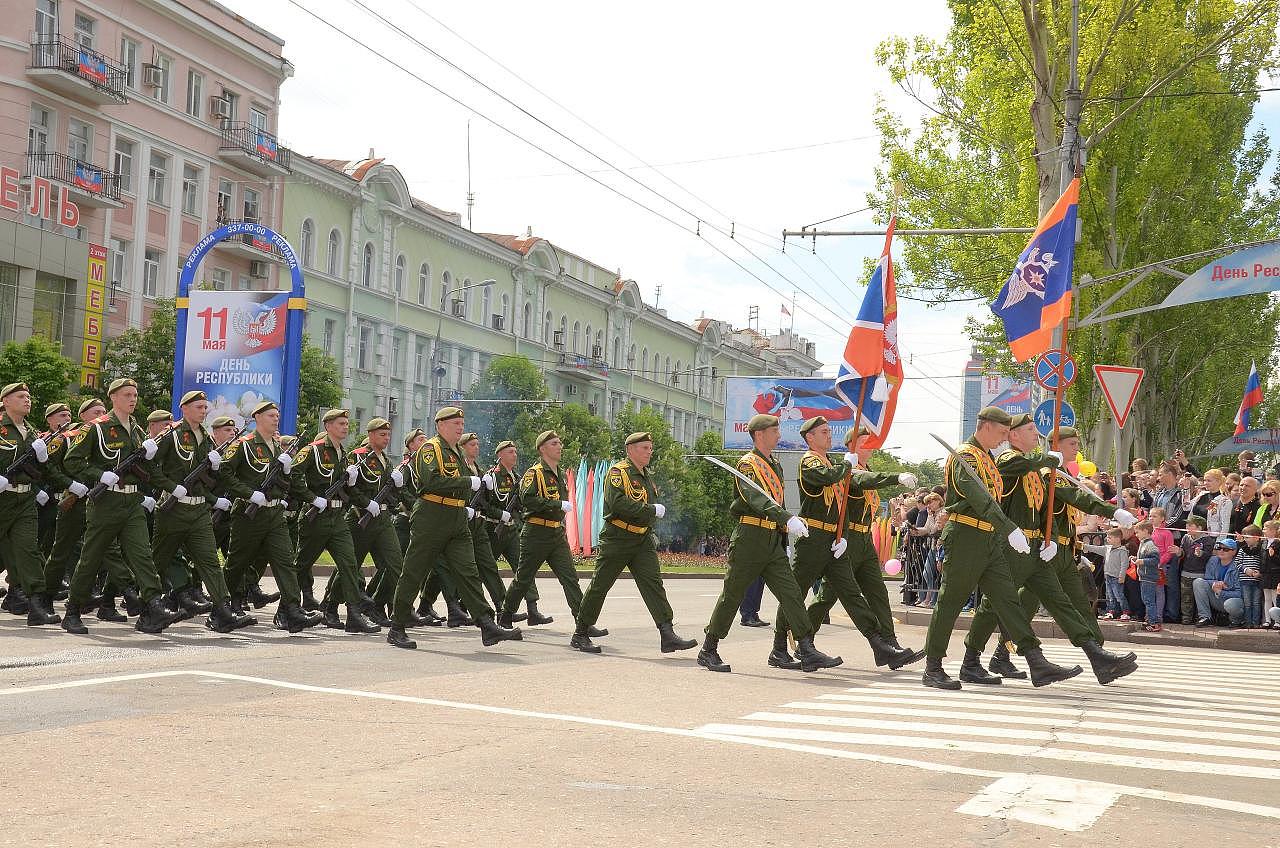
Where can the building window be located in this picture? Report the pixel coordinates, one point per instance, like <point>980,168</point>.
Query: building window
<point>40,130</point>
<point>119,262</point>
<point>395,356</point>
<point>577,332</point>
<point>233,104</point>
<point>362,352</point>
<point>400,263</point>
<point>527,330</point>
<point>586,340</point>
<point>446,285</point>
<point>631,357</point>
<point>366,268</point>
<point>326,341</point>
<point>617,352</point>
<point>157,178</point>
<point>79,140</point>
<point>195,93</point>
<point>246,282</point>
<point>165,64</point>
<point>129,60</point>
<point>50,307</point>
<point>257,119</point>
<point>123,164</point>
<point>308,243</point>
<point>424,284</point>
<point>334,259</point>
<point>226,199</point>
<point>564,329</point>
<point>151,260</point>
<point>486,305</point>
<point>506,314</point>
<point>546,328</point>
<point>47,20</point>
<point>252,204</point>
<point>644,362</point>
<point>85,29</point>
<point>190,190</point>
<point>420,362</point>
<point>465,288</point>
<point>666,372</point>
<point>221,279</point>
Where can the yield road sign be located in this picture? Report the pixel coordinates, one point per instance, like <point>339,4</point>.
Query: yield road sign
<point>1120,387</point>
<point>1043,417</point>
<point>1055,368</point>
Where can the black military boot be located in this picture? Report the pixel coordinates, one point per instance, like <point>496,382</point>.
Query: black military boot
<point>457,615</point>
<point>811,659</point>
<point>504,618</point>
<point>291,616</point>
<point>187,600</point>
<point>1108,667</point>
<point>971,670</point>
<point>881,651</point>
<point>580,641</point>
<point>427,613</point>
<point>155,617</point>
<point>107,610</point>
<point>780,657</point>
<point>329,614</point>
<point>492,633</point>
<point>358,623</point>
<point>259,598</point>
<point>132,602</point>
<point>175,609</point>
<point>1044,672</point>
<point>41,611</point>
<point>71,621</point>
<point>904,657</point>
<point>671,643</point>
<point>222,620</point>
<point>936,676</point>
<point>1002,664</point>
<point>197,592</point>
<point>596,632</point>
<point>709,657</point>
<point>309,602</point>
<point>535,617</point>
<point>16,602</point>
<point>378,615</point>
<point>398,638</point>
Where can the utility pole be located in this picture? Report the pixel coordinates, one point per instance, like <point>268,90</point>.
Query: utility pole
<point>471,196</point>
<point>1073,103</point>
<point>657,295</point>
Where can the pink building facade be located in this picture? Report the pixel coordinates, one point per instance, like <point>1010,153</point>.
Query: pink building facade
<point>128,130</point>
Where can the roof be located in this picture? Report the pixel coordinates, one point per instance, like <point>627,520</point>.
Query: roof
<point>358,169</point>
<point>520,244</point>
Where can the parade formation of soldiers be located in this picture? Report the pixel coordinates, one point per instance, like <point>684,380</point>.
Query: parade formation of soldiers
<point>182,518</point>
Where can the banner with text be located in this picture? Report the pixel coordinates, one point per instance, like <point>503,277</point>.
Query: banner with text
<point>1254,270</point>
<point>95,304</point>
<point>792,399</point>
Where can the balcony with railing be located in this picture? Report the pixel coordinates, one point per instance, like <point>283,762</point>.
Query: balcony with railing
<point>254,149</point>
<point>592,368</point>
<point>77,72</point>
<point>90,184</point>
<point>249,240</point>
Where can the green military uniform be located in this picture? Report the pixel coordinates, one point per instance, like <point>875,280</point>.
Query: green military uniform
<point>117,514</point>
<point>504,541</point>
<point>487,512</point>
<point>974,539</point>
<point>627,541</point>
<point>187,525</point>
<point>315,467</point>
<point>243,472</point>
<point>542,538</point>
<point>378,538</point>
<point>758,549</point>
<point>18,545</point>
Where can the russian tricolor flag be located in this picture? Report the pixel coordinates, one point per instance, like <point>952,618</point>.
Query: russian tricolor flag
<point>1252,397</point>
<point>1037,296</point>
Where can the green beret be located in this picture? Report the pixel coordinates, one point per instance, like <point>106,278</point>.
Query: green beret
<point>467,437</point>
<point>1068,433</point>
<point>503,445</point>
<point>761,422</point>
<point>448,413</point>
<point>412,434</point>
<point>377,424</point>
<point>54,408</point>
<point>159,415</point>
<point>995,414</point>
<point>334,414</point>
<point>544,437</point>
<point>850,434</point>
<point>117,385</point>
<point>13,387</point>
<point>89,403</point>
<point>1022,419</point>
<point>265,406</point>
<point>192,396</point>
<point>636,438</point>
<point>815,421</point>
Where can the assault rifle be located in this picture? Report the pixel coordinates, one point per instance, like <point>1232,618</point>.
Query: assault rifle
<point>335,488</point>
<point>385,492</point>
<point>273,474</point>
<point>128,464</point>
<point>201,472</point>
<point>28,457</point>
<point>511,505</point>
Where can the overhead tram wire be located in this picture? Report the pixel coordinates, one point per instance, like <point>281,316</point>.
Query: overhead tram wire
<point>386,22</point>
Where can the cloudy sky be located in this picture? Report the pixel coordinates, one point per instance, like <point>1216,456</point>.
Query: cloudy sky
<point>754,115</point>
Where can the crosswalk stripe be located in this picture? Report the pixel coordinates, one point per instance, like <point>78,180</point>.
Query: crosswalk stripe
<point>1065,692</point>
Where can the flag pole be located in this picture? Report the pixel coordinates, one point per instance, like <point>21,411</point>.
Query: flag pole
<point>844,488</point>
<point>1053,436</point>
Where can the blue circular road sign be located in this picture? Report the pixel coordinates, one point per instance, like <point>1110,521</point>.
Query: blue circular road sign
<point>1054,368</point>
<point>1043,417</point>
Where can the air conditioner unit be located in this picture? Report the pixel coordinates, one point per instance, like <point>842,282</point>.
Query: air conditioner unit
<point>459,308</point>
<point>393,407</point>
<point>591,407</point>
<point>596,351</point>
<point>557,339</point>
<point>152,75</point>
<point>258,269</point>
<point>675,379</point>
<point>499,321</point>
<point>571,389</point>
<point>219,107</point>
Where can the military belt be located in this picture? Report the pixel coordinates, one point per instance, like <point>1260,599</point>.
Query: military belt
<point>18,488</point>
<point>440,499</point>
<point>815,524</point>
<point>335,504</point>
<point>859,528</point>
<point>1031,534</point>
<point>190,500</point>
<point>129,489</point>
<point>631,528</point>
<point>543,522</point>
<point>759,522</point>
<point>1065,540</point>
<point>970,521</point>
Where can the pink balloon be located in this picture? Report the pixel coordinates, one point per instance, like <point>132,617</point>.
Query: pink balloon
<point>892,567</point>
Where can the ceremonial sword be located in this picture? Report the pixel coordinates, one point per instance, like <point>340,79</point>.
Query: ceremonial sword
<point>736,473</point>
<point>969,469</point>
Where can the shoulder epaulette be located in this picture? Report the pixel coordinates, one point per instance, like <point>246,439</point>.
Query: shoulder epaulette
<point>100,419</point>
<point>318,442</point>
<point>359,450</point>
<point>247,437</point>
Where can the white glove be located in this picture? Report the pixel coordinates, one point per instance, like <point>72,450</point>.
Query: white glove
<point>319,503</point>
<point>397,477</point>
<point>489,482</point>
<point>791,552</point>
<point>475,484</point>
<point>851,458</point>
<point>839,546</point>
<point>506,517</point>
<point>179,491</point>
<point>1125,518</point>
<point>374,508</point>
<point>908,479</point>
<point>76,488</point>
<point>1055,455</point>
<point>148,503</point>
<point>41,449</point>
<point>286,462</point>
<point>564,505</point>
<point>42,497</point>
<point>660,510</point>
<point>796,527</point>
<point>1018,541</point>
<point>1047,552</point>
<point>4,482</point>
<point>222,504</point>
<point>471,513</point>
<point>149,448</point>
<point>353,474</point>
<point>258,498</point>
<point>215,460</point>
<point>109,478</point>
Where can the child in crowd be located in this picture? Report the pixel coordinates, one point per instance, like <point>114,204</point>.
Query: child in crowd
<point>1149,574</point>
<point>1115,559</point>
<point>1163,539</point>
<point>1250,561</point>
<point>1197,547</point>
<point>1270,570</point>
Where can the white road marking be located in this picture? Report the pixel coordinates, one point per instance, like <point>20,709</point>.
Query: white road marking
<point>1044,800</point>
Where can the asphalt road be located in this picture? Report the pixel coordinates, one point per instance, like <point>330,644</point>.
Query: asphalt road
<point>194,738</point>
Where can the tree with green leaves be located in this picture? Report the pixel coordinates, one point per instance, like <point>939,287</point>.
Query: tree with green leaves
<point>508,378</point>
<point>147,356</point>
<point>714,486</point>
<point>1166,95</point>
<point>687,506</point>
<point>40,364</point>
<point>584,435</point>
<point>319,387</point>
